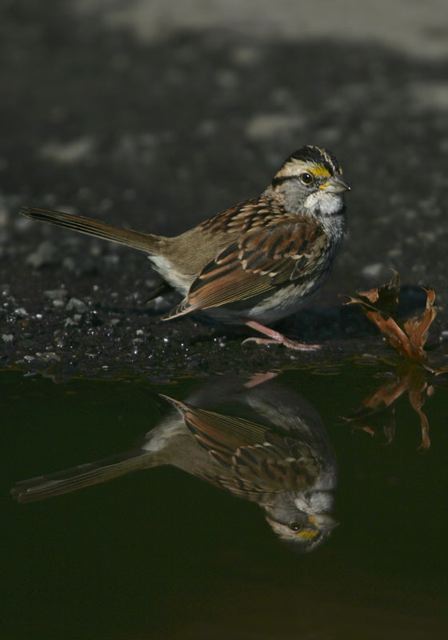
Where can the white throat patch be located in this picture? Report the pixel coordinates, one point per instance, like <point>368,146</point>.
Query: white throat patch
<point>325,207</point>
<point>326,204</point>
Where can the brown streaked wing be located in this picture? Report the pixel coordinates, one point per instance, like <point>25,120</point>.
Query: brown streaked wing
<point>217,431</point>
<point>250,214</point>
<point>259,262</point>
<point>258,459</point>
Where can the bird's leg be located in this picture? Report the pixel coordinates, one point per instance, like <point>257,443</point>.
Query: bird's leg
<point>260,378</point>
<point>159,289</point>
<point>275,337</point>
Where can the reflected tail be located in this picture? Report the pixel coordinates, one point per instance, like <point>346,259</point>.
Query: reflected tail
<point>82,476</point>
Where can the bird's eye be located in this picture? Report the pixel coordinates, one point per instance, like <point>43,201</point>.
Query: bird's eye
<point>307,178</point>
<point>295,526</point>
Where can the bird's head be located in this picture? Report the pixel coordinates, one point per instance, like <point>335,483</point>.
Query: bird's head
<point>304,521</point>
<point>310,181</point>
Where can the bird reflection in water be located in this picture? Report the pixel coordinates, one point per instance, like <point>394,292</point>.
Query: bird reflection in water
<point>257,439</point>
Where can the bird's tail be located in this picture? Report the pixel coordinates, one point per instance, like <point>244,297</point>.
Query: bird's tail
<point>82,476</point>
<point>147,242</point>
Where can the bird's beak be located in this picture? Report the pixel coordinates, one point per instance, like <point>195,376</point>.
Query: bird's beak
<point>335,184</point>
<point>308,533</point>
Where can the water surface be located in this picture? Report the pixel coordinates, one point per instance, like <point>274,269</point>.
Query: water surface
<point>165,553</point>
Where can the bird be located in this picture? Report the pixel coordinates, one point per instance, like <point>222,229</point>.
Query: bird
<point>254,263</point>
<point>254,438</point>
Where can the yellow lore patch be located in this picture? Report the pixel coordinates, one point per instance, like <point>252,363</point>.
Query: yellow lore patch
<point>308,534</point>
<point>319,171</point>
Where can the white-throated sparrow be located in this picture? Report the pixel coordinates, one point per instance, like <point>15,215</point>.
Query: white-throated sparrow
<point>259,441</point>
<point>255,262</point>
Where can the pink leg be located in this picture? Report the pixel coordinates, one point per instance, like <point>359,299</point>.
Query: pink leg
<point>260,378</point>
<point>274,337</point>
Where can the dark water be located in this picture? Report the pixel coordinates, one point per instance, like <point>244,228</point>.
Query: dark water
<point>163,553</point>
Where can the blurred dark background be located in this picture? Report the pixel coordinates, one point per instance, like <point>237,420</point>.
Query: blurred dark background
<point>156,114</point>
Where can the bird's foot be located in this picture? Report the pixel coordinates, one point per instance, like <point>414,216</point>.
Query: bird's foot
<point>260,378</point>
<point>275,337</point>
<point>286,342</point>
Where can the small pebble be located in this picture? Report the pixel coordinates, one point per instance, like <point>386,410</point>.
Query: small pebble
<point>69,263</point>
<point>56,294</point>
<point>372,270</point>
<point>74,304</point>
<point>48,356</point>
<point>45,254</point>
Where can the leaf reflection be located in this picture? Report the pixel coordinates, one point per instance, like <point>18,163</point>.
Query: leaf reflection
<point>412,380</point>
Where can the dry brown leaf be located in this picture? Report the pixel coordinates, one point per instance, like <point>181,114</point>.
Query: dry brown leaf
<point>396,336</point>
<point>380,306</point>
<point>417,328</point>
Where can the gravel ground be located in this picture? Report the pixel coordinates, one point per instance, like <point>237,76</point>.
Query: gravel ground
<point>155,115</point>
